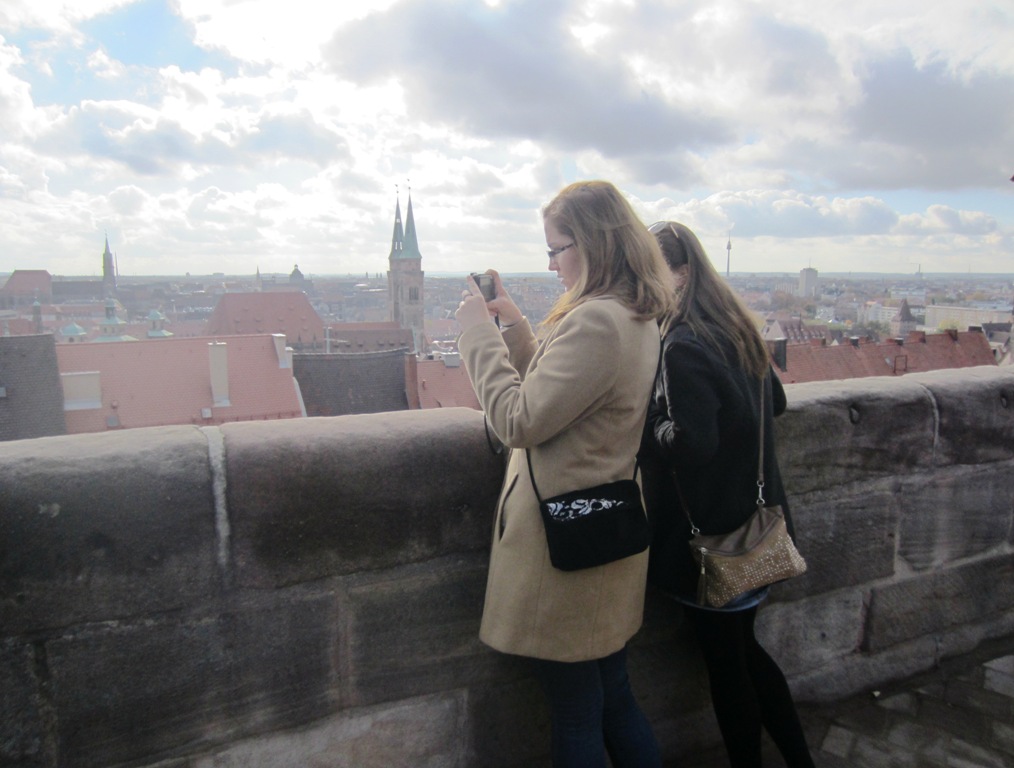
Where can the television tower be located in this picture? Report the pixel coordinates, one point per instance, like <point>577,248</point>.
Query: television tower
<point>728,254</point>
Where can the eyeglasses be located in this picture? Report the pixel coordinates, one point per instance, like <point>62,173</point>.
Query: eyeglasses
<point>553,253</point>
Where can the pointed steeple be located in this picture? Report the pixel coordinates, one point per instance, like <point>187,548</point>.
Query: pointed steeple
<point>411,250</point>
<point>398,238</point>
<point>107,261</point>
<point>108,272</point>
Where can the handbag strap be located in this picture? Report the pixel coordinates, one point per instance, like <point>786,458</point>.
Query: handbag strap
<point>694,530</point>
<point>528,460</point>
<point>637,459</point>
<point>760,453</point>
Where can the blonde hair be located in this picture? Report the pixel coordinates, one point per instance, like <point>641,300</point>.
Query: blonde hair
<point>617,254</point>
<point>707,304</point>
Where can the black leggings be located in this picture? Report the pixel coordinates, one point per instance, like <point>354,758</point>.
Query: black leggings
<point>748,690</point>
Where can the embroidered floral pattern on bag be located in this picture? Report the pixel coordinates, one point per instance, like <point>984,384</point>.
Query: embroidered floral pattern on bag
<point>569,510</point>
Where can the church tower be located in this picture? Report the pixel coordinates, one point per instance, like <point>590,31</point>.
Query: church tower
<point>405,276</point>
<point>108,273</point>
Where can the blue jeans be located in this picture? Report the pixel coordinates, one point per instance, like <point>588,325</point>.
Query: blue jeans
<point>594,712</point>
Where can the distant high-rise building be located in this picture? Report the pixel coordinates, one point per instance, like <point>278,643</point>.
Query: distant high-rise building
<point>808,283</point>
<point>405,276</point>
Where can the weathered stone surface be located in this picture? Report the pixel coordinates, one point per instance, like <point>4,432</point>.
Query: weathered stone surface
<point>812,633</point>
<point>318,497</point>
<point>98,527</point>
<point>423,732</point>
<point>416,630</point>
<point>935,602</point>
<point>124,692</point>
<point>507,726</point>
<point>23,734</point>
<point>863,670</point>
<point>955,514</point>
<point>669,678</point>
<point>838,432</point>
<point>847,537</point>
<point>139,628</point>
<point>976,412</point>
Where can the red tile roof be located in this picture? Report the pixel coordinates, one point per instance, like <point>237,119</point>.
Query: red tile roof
<point>168,381</point>
<point>445,386</point>
<point>28,282</point>
<point>919,352</point>
<point>369,337</point>
<point>245,313</point>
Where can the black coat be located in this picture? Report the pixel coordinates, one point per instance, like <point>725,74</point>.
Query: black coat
<point>703,422</point>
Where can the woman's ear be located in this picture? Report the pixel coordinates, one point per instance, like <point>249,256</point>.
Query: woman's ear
<point>680,275</point>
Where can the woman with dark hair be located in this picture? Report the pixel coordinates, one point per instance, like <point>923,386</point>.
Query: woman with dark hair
<point>574,399</point>
<point>700,457</point>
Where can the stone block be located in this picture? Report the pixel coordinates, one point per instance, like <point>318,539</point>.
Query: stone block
<point>847,536</point>
<point>507,726</point>
<point>24,739</point>
<point>938,601</point>
<point>101,527</point>
<point>125,692</point>
<point>312,498</point>
<point>811,634</point>
<point>835,433</point>
<point>975,407</point>
<point>423,732</point>
<point>416,630</point>
<point>955,513</point>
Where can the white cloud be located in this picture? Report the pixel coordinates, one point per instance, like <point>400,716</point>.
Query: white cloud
<point>804,133</point>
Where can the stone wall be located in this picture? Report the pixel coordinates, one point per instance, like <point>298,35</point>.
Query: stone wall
<point>308,592</point>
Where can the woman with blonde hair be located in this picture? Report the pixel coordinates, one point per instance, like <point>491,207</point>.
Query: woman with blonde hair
<point>573,404</point>
<point>700,459</point>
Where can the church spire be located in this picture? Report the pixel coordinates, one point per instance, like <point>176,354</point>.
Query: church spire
<point>398,237</point>
<point>108,272</point>
<point>405,242</point>
<point>411,240</point>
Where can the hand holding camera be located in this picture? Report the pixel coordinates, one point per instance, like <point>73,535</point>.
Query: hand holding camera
<point>497,301</point>
<point>486,285</point>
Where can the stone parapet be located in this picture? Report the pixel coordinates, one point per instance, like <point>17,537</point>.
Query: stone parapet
<point>308,592</point>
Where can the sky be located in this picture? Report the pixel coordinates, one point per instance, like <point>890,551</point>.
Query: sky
<point>204,136</point>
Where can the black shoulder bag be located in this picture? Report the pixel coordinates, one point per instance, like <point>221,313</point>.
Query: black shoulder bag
<point>594,526</point>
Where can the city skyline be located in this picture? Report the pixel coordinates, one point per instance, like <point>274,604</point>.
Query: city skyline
<point>220,137</point>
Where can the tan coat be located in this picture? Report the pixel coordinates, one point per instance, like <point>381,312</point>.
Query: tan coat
<point>580,409</point>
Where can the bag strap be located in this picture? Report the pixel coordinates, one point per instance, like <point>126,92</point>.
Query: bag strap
<point>637,459</point>
<point>496,448</point>
<point>528,460</point>
<point>760,453</point>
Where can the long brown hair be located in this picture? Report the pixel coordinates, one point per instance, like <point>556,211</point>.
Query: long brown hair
<point>618,256</point>
<point>707,304</point>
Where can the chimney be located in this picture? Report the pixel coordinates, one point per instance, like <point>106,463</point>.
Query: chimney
<point>899,341</point>
<point>779,352</point>
<point>219,365</point>
<point>282,352</point>
<point>953,333</point>
<point>917,337</point>
<point>854,341</point>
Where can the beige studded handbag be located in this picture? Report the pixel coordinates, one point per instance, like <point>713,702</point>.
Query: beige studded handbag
<point>758,553</point>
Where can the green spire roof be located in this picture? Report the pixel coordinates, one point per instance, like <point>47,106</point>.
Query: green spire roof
<point>404,243</point>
